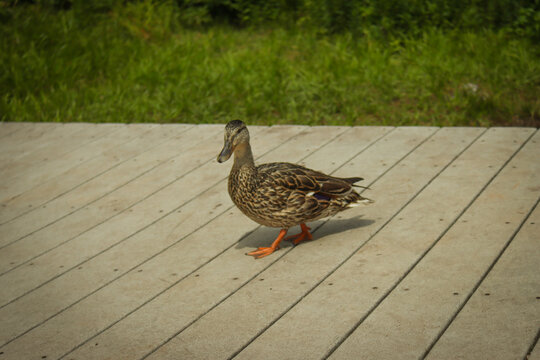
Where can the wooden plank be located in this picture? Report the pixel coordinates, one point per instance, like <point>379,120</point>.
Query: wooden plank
<point>333,308</point>
<point>14,184</point>
<point>135,245</point>
<point>152,170</point>
<point>128,310</point>
<point>68,150</point>
<point>412,316</point>
<point>288,280</point>
<point>23,141</point>
<point>225,274</point>
<point>26,133</point>
<point>189,253</point>
<point>52,219</point>
<point>9,128</point>
<point>143,140</point>
<point>32,176</point>
<point>501,319</point>
<point>15,169</point>
<point>30,151</point>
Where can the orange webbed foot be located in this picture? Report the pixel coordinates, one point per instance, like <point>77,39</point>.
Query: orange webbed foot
<point>265,251</point>
<point>262,252</point>
<point>305,234</point>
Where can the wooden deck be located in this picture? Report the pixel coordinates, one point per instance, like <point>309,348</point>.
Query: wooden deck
<point>121,242</point>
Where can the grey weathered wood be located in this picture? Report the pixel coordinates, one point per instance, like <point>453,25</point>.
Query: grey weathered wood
<point>34,175</point>
<point>102,194</point>
<point>218,276</point>
<point>501,319</point>
<point>164,203</point>
<point>155,169</point>
<point>197,248</point>
<point>288,280</point>
<point>360,283</point>
<point>9,128</point>
<point>55,142</point>
<point>410,319</point>
<point>302,144</point>
<point>144,138</point>
<point>66,151</point>
<point>165,275</point>
<point>36,136</point>
<point>26,136</point>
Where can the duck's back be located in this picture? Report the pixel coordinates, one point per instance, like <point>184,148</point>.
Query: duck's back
<point>284,194</point>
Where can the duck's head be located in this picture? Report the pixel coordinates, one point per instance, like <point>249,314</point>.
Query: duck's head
<point>236,135</point>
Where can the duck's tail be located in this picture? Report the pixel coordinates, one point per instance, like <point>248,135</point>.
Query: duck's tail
<point>358,199</point>
<point>354,180</point>
<point>361,201</point>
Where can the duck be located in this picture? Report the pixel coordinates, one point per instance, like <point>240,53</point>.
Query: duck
<point>282,194</point>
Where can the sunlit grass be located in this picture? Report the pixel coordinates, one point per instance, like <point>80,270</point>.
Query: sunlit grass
<point>126,67</point>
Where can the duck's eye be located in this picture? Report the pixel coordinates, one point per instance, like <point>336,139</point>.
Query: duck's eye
<point>236,132</point>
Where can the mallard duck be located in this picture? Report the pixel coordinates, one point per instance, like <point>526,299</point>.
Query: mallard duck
<point>281,194</point>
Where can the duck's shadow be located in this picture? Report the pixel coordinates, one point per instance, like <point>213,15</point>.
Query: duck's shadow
<point>263,236</point>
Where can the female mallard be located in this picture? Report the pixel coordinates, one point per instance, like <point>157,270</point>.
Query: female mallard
<point>282,194</point>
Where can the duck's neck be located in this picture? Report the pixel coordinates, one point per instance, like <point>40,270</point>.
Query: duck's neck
<point>243,157</point>
<point>243,176</point>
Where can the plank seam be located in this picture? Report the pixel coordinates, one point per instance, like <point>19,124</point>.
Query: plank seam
<point>103,221</point>
<point>360,246</point>
<point>89,179</point>
<point>532,346</point>
<point>479,282</point>
<point>32,134</point>
<point>285,251</point>
<point>391,289</point>
<point>76,186</point>
<point>117,214</point>
<point>25,142</point>
<point>124,239</point>
<point>87,204</point>
<point>179,240</point>
<point>93,138</point>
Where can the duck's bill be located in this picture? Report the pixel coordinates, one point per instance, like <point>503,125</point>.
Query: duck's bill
<point>225,153</point>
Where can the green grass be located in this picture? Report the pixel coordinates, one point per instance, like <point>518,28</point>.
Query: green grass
<point>129,65</point>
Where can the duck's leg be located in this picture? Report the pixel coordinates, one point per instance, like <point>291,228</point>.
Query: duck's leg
<point>264,251</point>
<point>296,239</point>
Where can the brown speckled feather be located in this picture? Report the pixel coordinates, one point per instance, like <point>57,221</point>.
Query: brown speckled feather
<point>284,194</point>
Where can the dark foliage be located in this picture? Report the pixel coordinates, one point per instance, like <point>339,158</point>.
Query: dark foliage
<point>373,17</point>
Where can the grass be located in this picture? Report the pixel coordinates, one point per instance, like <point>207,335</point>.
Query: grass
<point>128,67</point>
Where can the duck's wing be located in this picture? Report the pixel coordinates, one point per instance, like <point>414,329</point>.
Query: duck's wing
<point>290,194</point>
<point>298,178</point>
